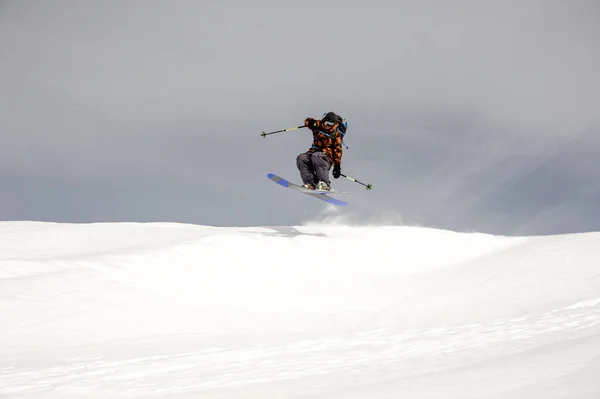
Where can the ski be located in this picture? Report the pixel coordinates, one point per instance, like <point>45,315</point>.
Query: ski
<point>322,195</point>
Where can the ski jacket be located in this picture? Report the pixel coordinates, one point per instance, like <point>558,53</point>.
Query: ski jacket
<point>326,139</point>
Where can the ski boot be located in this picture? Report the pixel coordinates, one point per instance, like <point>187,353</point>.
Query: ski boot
<point>322,186</point>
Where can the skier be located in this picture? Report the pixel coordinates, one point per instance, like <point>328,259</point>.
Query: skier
<point>326,151</point>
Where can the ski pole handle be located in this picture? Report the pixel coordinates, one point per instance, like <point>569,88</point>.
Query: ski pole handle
<point>368,186</point>
<point>264,134</point>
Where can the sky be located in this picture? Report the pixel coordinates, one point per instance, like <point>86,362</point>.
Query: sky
<point>155,310</point>
<point>470,116</point>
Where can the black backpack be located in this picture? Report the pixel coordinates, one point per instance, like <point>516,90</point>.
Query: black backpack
<point>343,125</point>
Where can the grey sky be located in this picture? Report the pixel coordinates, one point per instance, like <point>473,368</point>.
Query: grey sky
<point>467,115</point>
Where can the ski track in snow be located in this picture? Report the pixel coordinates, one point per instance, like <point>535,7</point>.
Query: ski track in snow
<point>372,353</point>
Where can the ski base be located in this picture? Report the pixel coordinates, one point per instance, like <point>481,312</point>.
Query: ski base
<point>322,195</point>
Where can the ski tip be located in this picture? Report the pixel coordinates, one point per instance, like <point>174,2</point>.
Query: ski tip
<point>279,180</point>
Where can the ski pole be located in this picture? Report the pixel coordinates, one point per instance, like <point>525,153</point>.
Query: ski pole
<point>264,134</point>
<point>368,186</point>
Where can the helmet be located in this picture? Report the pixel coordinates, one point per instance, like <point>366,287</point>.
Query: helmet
<point>330,117</point>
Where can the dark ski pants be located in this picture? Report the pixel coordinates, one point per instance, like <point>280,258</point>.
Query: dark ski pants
<point>313,167</point>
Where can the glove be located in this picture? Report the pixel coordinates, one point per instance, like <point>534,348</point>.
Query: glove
<point>336,171</point>
<point>310,123</point>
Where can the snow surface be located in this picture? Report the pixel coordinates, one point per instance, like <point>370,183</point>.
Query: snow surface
<point>126,310</point>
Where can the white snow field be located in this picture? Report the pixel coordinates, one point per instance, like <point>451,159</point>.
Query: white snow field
<point>159,310</point>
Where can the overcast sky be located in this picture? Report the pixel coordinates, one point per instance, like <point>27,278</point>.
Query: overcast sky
<point>466,115</point>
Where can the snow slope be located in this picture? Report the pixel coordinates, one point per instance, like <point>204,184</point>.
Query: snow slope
<point>125,310</point>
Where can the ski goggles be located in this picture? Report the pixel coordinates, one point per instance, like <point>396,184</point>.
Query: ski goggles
<point>328,123</point>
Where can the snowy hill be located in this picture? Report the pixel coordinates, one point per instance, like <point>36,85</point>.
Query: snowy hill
<point>128,310</point>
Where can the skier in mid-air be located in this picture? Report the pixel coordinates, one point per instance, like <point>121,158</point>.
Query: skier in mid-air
<point>325,152</point>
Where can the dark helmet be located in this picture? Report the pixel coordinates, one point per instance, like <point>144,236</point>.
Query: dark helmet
<point>329,120</point>
<point>330,117</point>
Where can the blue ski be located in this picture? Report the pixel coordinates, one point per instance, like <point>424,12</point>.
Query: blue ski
<point>322,195</point>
